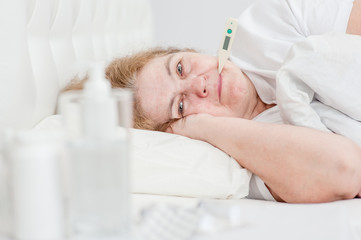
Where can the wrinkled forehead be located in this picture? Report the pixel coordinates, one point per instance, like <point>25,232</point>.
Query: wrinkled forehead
<point>153,90</point>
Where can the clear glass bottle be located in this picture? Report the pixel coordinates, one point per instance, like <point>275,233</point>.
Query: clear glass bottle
<point>99,201</point>
<point>97,120</point>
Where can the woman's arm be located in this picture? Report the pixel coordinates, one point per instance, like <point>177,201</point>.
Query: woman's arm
<point>354,21</point>
<point>297,164</point>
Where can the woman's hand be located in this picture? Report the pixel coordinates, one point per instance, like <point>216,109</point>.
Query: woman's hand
<point>190,126</point>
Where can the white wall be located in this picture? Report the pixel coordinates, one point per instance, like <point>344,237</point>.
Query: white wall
<point>193,23</point>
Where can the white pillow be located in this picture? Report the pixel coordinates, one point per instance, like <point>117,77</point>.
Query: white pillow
<point>169,164</point>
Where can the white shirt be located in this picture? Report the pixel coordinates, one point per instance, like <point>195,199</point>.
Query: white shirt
<point>266,31</point>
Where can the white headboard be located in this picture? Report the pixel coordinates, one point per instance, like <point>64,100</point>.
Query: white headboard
<point>44,43</point>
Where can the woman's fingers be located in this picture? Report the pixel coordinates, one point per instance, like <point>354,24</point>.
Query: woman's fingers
<point>189,126</point>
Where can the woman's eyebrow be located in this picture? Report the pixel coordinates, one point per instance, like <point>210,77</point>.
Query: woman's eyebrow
<point>167,64</point>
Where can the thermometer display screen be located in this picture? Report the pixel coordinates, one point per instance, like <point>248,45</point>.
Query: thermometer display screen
<point>226,42</point>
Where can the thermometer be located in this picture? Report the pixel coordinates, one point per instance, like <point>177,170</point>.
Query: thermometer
<point>226,44</point>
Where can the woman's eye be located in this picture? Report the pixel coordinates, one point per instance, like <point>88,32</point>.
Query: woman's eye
<point>181,108</point>
<point>180,69</point>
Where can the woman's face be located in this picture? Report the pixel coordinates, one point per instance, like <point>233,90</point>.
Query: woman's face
<point>184,83</point>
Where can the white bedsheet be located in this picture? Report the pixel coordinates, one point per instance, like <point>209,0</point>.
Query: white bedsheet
<point>255,219</point>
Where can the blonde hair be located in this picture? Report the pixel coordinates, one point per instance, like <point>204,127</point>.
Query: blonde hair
<point>122,73</point>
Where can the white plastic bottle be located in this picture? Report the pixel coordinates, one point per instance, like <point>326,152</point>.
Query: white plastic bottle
<point>4,190</point>
<point>99,193</point>
<point>36,197</point>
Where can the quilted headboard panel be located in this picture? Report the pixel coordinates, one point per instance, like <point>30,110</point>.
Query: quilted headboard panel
<point>44,43</point>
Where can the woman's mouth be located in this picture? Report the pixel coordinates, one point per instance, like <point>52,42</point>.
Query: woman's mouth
<point>219,87</point>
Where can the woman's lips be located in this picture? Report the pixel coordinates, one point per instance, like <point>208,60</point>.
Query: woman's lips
<point>219,87</point>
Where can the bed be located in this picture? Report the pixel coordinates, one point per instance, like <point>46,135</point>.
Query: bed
<point>45,43</point>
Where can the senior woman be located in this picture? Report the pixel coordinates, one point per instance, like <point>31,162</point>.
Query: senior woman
<point>180,91</point>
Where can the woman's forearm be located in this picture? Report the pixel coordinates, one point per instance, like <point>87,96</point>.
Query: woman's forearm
<point>354,22</point>
<point>298,164</point>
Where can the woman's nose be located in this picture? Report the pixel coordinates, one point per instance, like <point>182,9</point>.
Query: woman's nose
<point>197,85</point>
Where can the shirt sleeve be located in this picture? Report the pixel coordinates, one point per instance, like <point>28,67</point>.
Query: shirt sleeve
<point>269,28</point>
<point>321,16</point>
<point>266,30</point>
